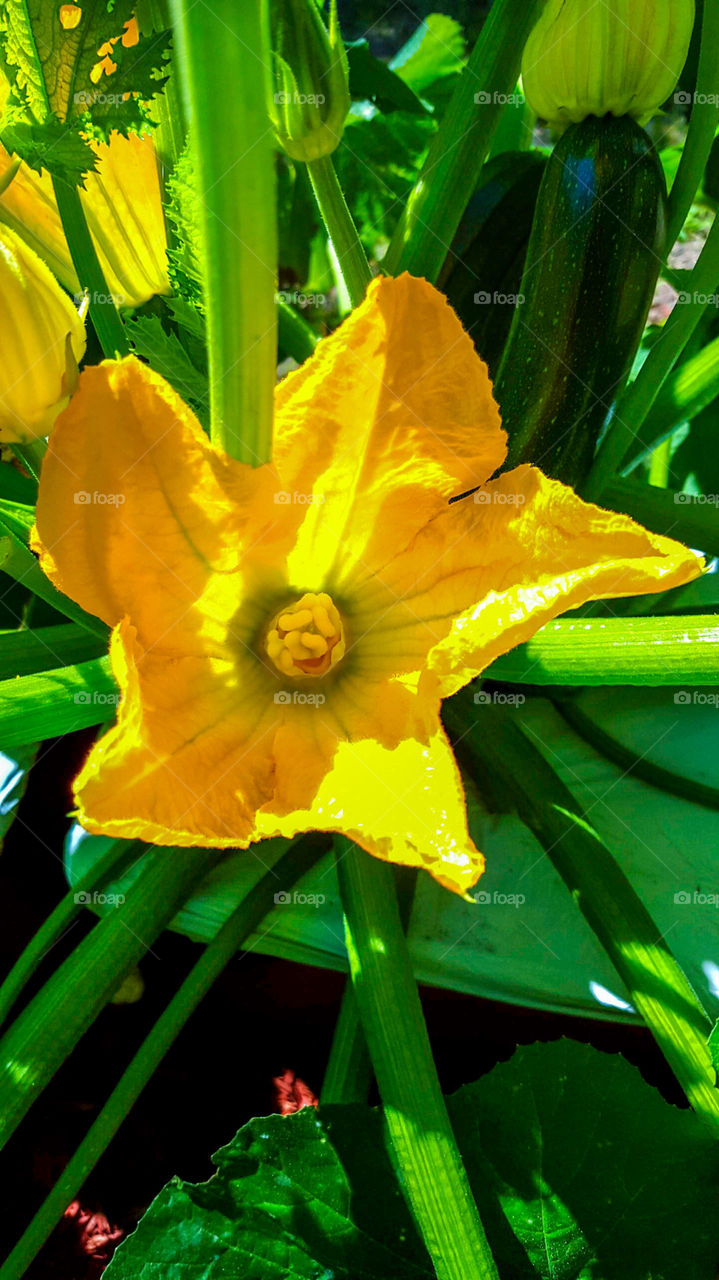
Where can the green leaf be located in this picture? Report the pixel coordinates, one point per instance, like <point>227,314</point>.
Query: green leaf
<point>685,516</point>
<point>166,355</point>
<point>183,213</point>
<point>688,390</point>
<point>18,561</point>
<point>377,164</point>
<point>577,1150</point>
<point>50,145</point>
<point>25,652</point>
<point>372,80</point>
<point>435,50</point>
<point>567,1150</point>
<point>49,66</point>
<point>54,702</point>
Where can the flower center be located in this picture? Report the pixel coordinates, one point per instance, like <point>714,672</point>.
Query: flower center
<point>306,638</point>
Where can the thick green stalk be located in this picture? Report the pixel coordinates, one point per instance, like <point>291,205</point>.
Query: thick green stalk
<point>424,1147</point>
<point>104,315</point>
<point>244,920</point>
<point>459,149</point>
<point>702,125</point>
<point>341,229</point>
<point>113,864</point>
<point>506,765</point>
<point>349,1070</point>
<point>223,59</point>
<point>608,651</point>
<point>637,401</point>
<point>45,1033</point>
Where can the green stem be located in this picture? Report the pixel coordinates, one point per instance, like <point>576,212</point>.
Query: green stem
<point>702,125</point>
<point>637,401</point>
<point>348,1077</point>
<point>223,61</point>
<point>507,767</point>
<point>349,1070</point>
<point>244,920</point>
<point>341,229</point>
<point>424,1146</point>
<point>103,312</point>
<point>460,147</point>
<point>295,336</point>
<point>114,863</point>
<point>609,651</point>
<point>45,1033</point>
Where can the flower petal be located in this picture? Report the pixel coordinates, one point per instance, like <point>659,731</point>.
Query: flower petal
<point>138,515</point>
<point>487,574</point>
<point>190,758</point>
<point>392,415</point>
<point>404,805</point>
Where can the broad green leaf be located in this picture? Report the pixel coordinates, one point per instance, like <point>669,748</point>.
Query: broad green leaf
<point>166,355</point>
<point>378,162</point>
<point>50,145</point>
<point>55,702</point>
<point>184,214</point>
<point>24,651</point>
<point>54,83</point>
<point>372,80</point>
<point>435,50</point>
<point>567,1150</point>
<point>577,1150</point>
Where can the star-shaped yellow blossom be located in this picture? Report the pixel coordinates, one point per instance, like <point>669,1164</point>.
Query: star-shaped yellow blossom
<point>283,636</point>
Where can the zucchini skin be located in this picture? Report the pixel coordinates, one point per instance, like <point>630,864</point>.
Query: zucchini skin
<point>593,260</point>
<point>487,255</point>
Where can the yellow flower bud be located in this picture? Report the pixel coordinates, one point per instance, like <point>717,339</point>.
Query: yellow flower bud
<point>123,207</point>
<point>42,340</point>
<point>310,98</point>
<point>622,57</point>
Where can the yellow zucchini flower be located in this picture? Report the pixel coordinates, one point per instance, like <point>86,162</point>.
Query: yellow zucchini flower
<point>43,341</point>
<point>283,636</point>
<point>123,207</point>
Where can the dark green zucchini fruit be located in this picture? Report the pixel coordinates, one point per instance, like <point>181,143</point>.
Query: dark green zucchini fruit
<point>592,264</point>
